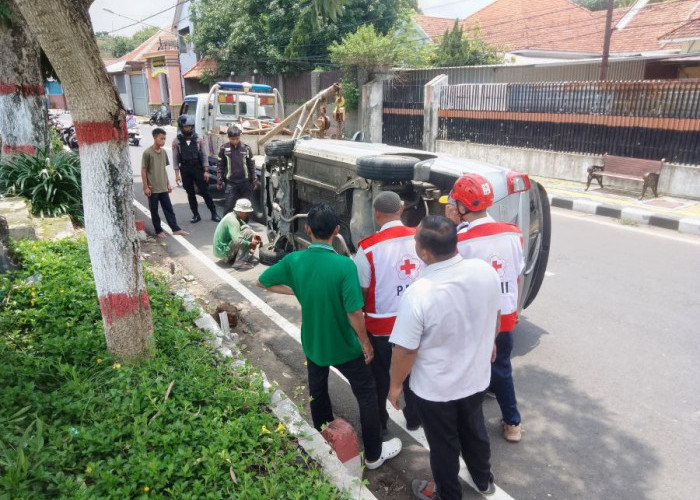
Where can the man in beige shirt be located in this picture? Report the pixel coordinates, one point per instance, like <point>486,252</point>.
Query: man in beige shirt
<point>156,185</point>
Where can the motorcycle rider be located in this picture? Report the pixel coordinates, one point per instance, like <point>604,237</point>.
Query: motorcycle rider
<point>192,167</point>
<point>130,119</point>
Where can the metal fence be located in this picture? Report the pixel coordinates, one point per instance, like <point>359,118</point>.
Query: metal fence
<point>402,113</point>
<point>646,119</point>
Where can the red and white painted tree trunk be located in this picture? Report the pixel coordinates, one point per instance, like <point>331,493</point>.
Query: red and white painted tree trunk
<point>63,29</point>
<point>22,115</point>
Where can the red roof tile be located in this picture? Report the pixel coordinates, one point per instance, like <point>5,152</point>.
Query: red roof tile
<point>203,66</point>
<point>688,31</point>
<point>434,27</point>
<point>150,45</point>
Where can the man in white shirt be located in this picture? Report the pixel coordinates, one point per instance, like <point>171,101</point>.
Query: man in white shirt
<point>501,246</point>
<point>387,265</point>
<point>444,336</point>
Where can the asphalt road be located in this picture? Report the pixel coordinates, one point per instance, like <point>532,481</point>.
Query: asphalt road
<point>604,364</point>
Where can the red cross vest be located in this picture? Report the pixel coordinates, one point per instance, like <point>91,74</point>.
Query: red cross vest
<point>392,258</point>
<point>500,245</point>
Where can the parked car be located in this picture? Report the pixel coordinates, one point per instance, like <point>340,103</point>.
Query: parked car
<point>347,175</point>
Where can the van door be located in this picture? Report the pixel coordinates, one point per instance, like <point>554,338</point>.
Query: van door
<point>540,238</point>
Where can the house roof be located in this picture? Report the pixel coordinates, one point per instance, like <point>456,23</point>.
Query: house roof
<point>153,44</point>
<point>643,32</point>
<point>203,66</point>
<point>688,31</point>
<point>561,25</point>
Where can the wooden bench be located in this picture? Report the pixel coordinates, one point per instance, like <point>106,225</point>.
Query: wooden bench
<point>634,169</point>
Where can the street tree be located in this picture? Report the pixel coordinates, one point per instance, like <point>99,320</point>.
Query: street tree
<point>22,115</point>
<point>457,48</point>
<point>63,29</point>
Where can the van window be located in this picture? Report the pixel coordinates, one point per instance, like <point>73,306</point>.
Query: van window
<point>227,109</point>
<point>247,106</point>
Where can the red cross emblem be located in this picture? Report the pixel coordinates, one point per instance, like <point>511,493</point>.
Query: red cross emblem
<point>498,264</point>
<point>407,266</point>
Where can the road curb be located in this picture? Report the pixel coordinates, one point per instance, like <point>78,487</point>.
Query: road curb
<point>283,408</point>
<point>632,214</point>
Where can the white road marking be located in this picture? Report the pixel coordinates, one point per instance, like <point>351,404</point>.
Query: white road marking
<point>549,273</point>
<point>642,229</point>
<point>294,332</point>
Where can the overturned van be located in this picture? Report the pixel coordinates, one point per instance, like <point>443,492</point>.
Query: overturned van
<point>347,175</point>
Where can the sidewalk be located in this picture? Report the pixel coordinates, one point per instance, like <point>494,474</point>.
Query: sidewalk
<point>678,214</point>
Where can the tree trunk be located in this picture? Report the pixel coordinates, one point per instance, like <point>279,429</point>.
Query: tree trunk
<point>22,116</point>
<point>63,29</point>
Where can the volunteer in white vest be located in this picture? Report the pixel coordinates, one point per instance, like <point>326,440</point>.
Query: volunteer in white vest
<point>500,245</point>
<point>444,335</point>
<point>387,265</point>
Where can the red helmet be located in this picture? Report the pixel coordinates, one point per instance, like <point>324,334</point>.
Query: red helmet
<point>474,191</point>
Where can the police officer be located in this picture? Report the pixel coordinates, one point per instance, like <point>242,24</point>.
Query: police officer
<point>236,168</point>
<point>387,265</point>
<point>192,167</point>
<point>500,245</point>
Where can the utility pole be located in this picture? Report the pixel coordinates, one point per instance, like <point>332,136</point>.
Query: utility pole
<point>606,42</point>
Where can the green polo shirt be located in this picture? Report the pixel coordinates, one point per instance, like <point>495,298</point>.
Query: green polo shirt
<point>327,287</point>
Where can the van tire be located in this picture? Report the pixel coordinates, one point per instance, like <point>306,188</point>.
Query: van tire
<point>280,148</point>
<point>269,255</point>
<point>386,168</point>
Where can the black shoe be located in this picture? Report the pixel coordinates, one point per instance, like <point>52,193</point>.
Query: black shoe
<point>195,218</point>
<point>215,217</point>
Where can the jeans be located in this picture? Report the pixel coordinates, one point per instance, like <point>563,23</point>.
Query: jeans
<point>502,379</point>
<point>191,177</point>
<point>236,191</point>
<point>362,384</point>
<point>381,369</point>
<point>164,200</point>
<point>451,428</point>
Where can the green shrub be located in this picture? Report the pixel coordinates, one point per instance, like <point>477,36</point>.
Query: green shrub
<point>75,423</point>
<point>55,140</point>
<point>51,182</point>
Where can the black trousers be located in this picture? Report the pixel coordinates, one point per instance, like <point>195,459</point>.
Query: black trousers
<point>192,177</point>
<point>236,191</point>
<point>164,200</point>
<point>381,369</point>
<point>362,384</point>
<point>451,428</point>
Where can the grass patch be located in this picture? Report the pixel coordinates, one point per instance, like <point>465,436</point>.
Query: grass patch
<point>75,423</point>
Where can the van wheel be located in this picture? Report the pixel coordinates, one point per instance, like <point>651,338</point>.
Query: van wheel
<point>386,168</point>
<point>280,148</point>
<point>269,255</point>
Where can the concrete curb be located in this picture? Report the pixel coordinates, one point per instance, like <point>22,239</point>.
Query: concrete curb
<point>636,215</point>
<point>308,438</point>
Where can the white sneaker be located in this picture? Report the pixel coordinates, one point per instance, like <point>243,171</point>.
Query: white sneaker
<point>390,449</point>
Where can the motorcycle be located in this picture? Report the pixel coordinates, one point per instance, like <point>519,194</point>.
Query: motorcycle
<point>134,136</point>
<point>158,118</point>
<point>69,137</point>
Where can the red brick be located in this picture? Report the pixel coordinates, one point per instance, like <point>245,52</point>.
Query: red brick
<point>342,438</point>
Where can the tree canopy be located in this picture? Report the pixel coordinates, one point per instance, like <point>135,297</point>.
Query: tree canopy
<point>117,46</point>
<point>280,36</point>
<point>459,49</point>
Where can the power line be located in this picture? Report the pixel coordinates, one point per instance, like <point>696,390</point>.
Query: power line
<point>148,17</point>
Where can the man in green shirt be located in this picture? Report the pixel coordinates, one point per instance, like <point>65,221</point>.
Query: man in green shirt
<point>332,327</point>
<point>156,185</point>
<point>234,240</point>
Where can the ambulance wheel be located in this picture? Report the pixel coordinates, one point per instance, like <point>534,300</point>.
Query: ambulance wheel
<point>270,255</point>
<point>386,168</point>
<point>280,148</point>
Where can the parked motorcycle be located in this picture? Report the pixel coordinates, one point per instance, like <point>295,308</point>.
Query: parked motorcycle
<point>69,137</point>
<point>158,118</point>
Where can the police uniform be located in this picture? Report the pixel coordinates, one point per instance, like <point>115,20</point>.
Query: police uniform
<point>501,246</point>
<point>236,167</point>
<point>387,265</point>
<point>190,159</point>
